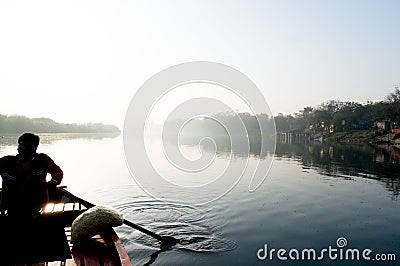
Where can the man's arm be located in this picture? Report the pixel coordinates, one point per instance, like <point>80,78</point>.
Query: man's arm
<point>54,170</point>
<point>2,163</point>
<point>2,203</point>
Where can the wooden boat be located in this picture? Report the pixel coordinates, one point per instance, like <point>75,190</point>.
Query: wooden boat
<point>47,241</point>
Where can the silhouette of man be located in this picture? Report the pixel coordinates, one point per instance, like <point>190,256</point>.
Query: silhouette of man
<point>24,187</point>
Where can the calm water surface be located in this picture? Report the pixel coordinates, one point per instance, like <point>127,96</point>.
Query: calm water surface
<point>313,195</point>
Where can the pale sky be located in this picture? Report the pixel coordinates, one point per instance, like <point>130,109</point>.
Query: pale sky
<point>82,61</point>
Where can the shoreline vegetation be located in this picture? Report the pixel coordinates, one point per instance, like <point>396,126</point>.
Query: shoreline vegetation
<point>352,123</point>
<point>371,136</point>
<point>333,121</point>
<point>339,121</point>
<point>17,124</point>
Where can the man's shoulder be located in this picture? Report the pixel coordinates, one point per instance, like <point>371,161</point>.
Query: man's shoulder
<point>42,156</point>
<point>8,157</point>
<point>7,160</point>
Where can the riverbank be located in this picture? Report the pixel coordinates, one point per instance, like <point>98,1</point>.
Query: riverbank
<point>372,136</point>
<point>18,124</point>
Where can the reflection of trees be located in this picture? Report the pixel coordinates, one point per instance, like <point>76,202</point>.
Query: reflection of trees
<point>223,145</point>
<point>342,161</point>
<point>346,161</point>
<point>337,160</point>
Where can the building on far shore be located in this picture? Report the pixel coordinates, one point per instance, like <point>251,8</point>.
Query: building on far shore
<point>388,126</point>
<point>383,125</point>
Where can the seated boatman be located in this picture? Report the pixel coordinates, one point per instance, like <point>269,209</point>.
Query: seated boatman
<point>24,189</point>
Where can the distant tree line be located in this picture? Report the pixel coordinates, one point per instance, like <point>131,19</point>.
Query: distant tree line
<point>226,123</point>
<point>16,124</point>
<point>342,115</point>
<point>336,114</point>
<point>225,127</point>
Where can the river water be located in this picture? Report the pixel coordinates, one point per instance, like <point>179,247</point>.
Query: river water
<point>315,197</point>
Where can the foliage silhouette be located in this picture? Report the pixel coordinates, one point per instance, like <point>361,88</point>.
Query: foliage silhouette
<point>16,124</point>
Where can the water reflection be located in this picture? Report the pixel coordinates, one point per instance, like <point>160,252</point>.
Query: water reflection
<point>345,161</point>
<point>223,145</point>
<point>293,209</point>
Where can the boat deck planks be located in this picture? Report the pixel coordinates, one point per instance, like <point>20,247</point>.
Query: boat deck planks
<point>61,212</point>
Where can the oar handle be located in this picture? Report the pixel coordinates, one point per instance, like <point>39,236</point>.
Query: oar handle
<point>144,230</point>
<point>129,223</point>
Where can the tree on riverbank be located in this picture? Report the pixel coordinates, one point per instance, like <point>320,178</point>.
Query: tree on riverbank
<point>343,115</point>
<point>336,115</point>
<point>16,124</point>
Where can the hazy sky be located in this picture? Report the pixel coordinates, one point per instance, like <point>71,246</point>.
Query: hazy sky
<point>82,61</point>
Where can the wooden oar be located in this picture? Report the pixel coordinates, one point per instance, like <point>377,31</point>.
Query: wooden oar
<point>166,241</point>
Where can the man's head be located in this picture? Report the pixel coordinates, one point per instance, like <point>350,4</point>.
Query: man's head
<point>27,144</point>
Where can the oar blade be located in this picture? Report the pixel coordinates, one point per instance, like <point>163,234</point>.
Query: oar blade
<point>168,241</point>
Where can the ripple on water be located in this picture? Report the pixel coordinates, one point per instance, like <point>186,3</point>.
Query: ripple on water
<point>191,225</point>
